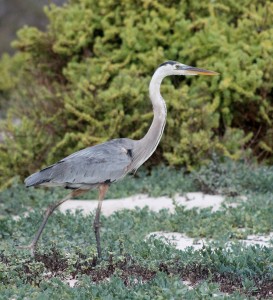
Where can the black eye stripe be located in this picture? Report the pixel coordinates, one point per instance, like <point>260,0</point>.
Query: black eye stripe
<point>169,62</point>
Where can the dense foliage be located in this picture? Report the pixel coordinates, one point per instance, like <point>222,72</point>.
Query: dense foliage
<point>133,266</point>
<point>85,79</point>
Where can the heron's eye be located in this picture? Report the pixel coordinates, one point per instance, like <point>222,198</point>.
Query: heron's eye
<point>177,67</point>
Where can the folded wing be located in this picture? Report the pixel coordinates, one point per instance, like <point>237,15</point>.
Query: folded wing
<point>87,168</point>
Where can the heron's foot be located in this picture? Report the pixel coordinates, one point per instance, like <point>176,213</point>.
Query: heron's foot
<point>31,247</point>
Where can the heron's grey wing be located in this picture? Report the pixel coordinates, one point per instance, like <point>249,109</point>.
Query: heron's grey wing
<point>89,167</point>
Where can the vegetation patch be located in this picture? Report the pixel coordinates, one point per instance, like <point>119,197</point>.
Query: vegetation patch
<point>132,265</point>
<point>216,265</point>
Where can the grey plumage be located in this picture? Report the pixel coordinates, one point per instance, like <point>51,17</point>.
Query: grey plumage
<point>87,168</point>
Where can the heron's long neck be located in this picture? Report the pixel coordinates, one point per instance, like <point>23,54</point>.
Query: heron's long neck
<point>149,142</point>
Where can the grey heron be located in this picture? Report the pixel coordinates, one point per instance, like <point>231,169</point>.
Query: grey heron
<point>101,165</point>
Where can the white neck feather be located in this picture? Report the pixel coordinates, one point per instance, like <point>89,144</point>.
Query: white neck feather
<point>147,145</point>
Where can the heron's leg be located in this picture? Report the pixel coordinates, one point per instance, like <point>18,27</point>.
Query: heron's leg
<point>102,191</point>
<point>49,211</point>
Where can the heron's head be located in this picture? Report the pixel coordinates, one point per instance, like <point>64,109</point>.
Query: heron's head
<point>176,68</point>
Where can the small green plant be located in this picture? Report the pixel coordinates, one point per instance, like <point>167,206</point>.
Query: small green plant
<point>224,176</point>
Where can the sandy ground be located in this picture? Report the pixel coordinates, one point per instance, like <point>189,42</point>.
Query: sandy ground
<point>190,200</point>
<point>181,241</point>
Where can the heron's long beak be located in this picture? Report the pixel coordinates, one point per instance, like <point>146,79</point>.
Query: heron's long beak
<point>196,71</point>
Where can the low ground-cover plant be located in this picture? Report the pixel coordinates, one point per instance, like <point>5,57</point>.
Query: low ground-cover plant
<point>247,270</point>
<point>134,267</point>
<point>224,176</point>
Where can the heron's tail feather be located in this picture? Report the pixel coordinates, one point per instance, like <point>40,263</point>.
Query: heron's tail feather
<point>35,179</point>
<point>38,178</point>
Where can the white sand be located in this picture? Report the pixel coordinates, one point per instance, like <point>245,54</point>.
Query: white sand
<point>191,200</point>
<point>181,241</point>
<point>178,240</point>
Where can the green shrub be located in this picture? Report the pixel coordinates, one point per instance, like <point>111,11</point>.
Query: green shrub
<point>85,79</point>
